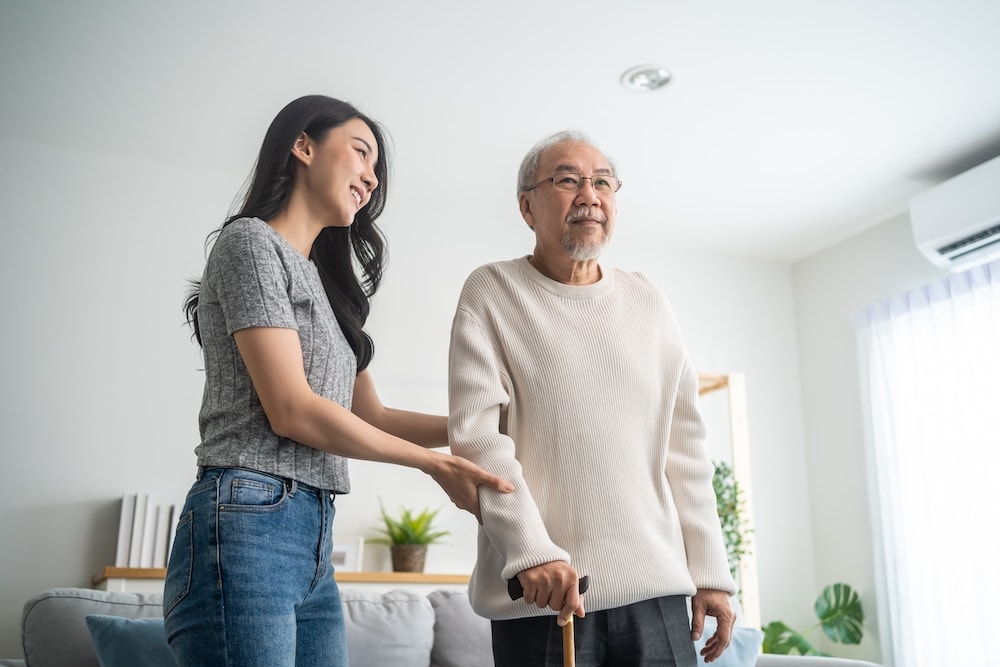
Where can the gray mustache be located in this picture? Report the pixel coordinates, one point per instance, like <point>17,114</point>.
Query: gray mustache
<point>587,213</point>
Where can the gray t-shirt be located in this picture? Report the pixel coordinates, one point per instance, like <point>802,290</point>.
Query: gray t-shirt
<point>255,278</point>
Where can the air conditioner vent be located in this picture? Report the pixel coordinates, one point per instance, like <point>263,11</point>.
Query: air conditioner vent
<point>986,237</point>
<point>956,224</point>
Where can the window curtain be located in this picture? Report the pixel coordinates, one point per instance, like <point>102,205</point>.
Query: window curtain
<point>930,388</point>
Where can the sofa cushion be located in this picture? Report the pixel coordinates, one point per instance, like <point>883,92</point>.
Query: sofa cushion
<point>744,648</point>
<point>127,642</point>
<point>53,626</point>
<point>742,651</point>
<point>461,638</point>
<point>769,660</point>
<point>394,628</point>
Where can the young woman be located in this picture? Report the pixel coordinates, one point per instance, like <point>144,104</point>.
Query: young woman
<point>279,313</point>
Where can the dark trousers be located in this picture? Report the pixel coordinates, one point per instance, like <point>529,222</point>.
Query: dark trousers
<point>650,633</point>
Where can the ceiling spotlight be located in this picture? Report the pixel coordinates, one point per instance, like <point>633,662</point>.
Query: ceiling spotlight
<point>645,78</point>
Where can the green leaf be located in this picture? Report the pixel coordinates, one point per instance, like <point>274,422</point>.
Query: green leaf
<point>781,639</point>
<point>839,610</point>
<point>731,506</point>
<point>408,527</point>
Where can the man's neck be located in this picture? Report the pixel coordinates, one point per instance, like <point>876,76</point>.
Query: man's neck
<point>570,272</point>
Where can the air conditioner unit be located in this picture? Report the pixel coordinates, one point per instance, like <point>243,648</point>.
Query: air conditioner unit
<point>957,224</point>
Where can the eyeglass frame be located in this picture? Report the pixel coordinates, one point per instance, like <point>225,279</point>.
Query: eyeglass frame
<point>552,180</point>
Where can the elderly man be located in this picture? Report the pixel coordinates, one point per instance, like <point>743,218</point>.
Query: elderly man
<point>570,379</point>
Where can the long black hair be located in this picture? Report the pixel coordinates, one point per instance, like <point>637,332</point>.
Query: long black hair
<point>336,249</point>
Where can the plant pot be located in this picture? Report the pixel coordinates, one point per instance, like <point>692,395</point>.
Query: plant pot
<point>408,557</point>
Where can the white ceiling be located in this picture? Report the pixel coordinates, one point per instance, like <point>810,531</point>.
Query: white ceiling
<point>788,126</point>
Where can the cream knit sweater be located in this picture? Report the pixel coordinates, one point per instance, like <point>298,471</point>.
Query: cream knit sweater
<point>583,397</point>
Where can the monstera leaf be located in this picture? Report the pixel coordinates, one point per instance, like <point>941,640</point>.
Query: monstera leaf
<point>781,639</point>
<point>839,610</point>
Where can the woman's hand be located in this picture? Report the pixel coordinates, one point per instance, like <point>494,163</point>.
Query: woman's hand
<point>460,479</point>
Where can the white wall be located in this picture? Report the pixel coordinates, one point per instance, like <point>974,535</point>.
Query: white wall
<point>829,287</point>
<point>101,387</point>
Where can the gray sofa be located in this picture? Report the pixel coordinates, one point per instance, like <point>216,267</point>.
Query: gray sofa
<point>383,629</point>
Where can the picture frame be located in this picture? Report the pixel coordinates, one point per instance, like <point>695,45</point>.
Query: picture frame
<point>348,554</point>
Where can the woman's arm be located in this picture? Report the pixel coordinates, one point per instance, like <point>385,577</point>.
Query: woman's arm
<point>273,358</point>
<point>424,429</point>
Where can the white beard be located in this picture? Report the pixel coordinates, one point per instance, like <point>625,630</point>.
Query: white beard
<point>582,252</point>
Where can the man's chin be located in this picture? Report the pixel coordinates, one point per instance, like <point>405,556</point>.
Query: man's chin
<point>583,252</point>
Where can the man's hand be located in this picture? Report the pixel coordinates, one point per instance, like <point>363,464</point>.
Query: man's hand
<point>555,585</point>
<point>708,602</point>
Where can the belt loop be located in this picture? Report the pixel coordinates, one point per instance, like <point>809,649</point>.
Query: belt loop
<point>292,486</point>
<point>201,473</point>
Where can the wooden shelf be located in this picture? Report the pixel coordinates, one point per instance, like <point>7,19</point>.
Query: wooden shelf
<point>709,382</point>
<point>345,577</point>
<point>400,578</point>
<point>129,573</point>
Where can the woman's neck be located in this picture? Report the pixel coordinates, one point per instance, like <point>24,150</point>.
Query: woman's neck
<point>296,226</point>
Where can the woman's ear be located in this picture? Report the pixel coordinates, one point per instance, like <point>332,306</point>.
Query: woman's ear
<point>303,148</point>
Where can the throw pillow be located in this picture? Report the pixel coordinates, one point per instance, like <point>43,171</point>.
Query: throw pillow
<point>461,638</point>
<point>742,651</point>
<point>126,642</point>
<point>394,628</point>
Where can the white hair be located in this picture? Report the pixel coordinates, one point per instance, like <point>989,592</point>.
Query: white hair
<point>528,173</point>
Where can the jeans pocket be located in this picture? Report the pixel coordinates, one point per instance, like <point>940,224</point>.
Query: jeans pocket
<point>246,491</point>
<point>179,570</point>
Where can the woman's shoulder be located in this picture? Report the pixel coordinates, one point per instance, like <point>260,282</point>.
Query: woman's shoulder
<point>251,235</point>
<point>246,243</point>
<point>246,228</point>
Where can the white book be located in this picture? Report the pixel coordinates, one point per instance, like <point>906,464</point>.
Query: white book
<point>161,547</point>
<point>148,534</point>
<point>174,517</point>
<point>125,530</point>
<point>138,521</point>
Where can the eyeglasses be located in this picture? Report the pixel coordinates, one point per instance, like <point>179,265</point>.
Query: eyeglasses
<point>573,182</point>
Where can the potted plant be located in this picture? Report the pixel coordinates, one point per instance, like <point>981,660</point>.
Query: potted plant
<point>838,608</point>
<point>408,534</point>
<point>731,506</point>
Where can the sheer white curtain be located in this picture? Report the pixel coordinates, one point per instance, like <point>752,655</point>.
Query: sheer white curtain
<point>930,376</point>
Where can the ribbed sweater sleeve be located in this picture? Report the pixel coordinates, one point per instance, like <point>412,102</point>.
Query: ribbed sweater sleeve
<point>582,396</point>
<point>480,403</point>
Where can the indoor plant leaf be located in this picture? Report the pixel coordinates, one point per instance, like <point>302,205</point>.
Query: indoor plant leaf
<point>409,527</point>
<point>731,506</point>
<point>781,639</point>
<point>839,610</point>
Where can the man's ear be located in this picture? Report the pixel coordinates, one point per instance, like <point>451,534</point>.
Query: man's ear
<point>303,148</point>
<point>524,203</point>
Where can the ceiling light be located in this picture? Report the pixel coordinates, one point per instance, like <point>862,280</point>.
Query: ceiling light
<point>645,78</point>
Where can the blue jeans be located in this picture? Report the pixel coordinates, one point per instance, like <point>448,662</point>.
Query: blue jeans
<point>250,581</point>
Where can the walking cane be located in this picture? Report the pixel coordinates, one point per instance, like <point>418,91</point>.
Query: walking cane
<point>515,590</point>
